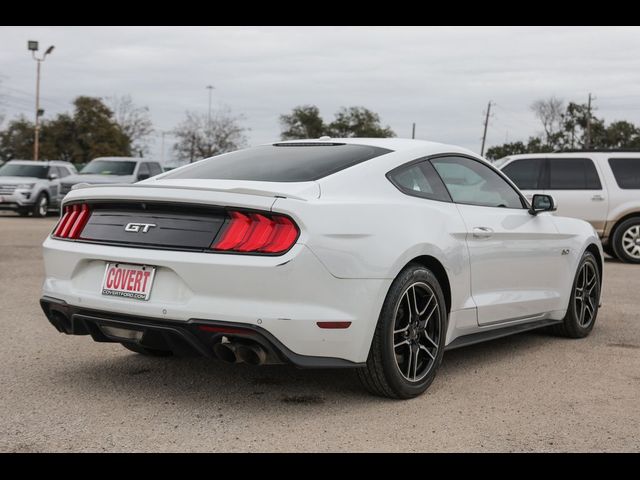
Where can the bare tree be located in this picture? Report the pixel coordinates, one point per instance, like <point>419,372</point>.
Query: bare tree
<point>550,112</point>
<point>134,121</point>
<point>200,138</point>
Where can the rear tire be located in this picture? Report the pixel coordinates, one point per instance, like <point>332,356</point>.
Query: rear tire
<point>41,207</point>
<point>626,240</point>
<point>584,303</point>
<point>149,352</point>
<point>408,342</point>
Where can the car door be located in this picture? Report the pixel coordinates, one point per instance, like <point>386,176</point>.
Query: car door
<point>514,256</point>
<point>54,183</point>
<point>527,174</point>
<point>577,187</point>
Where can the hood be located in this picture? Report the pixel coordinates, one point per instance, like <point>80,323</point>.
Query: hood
<point>98,179</point>
<point>18,180</point>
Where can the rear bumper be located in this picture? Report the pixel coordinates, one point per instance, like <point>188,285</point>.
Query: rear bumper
<point>182,338</point>
<point>284,296</point>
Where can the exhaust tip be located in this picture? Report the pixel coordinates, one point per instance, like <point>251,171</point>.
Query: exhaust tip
<point>226,352</point>
<point>251,354</point>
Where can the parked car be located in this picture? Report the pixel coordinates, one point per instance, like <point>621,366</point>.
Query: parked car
<point>103,170</point>
<point>32,187</point>
<point>602,188</point>
<point>375,254</point>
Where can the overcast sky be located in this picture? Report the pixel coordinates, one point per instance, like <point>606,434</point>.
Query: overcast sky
<point>441,78</point>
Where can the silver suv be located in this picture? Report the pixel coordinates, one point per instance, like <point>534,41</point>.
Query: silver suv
<point>27,186</point>
<point>103,170</point>
<point>602,188</point>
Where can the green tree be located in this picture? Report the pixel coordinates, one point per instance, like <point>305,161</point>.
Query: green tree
<point>87,133</point>
<point>304,121</point>
<point>358,122</point>
<point>16,141</point>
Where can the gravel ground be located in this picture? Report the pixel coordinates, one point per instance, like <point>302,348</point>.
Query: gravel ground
<point>529,392</point>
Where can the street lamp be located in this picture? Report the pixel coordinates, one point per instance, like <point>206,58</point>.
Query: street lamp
<point>32,45</point>
<point>210,88</point>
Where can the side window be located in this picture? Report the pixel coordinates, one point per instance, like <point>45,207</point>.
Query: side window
<point>626,172</point>
<point>471,182</point>
<point>526,173</point>
<point>419,180</point>
<point>155,168</point>
<point>573,174</point>
<point>63,172</point>
<point>143,170</point>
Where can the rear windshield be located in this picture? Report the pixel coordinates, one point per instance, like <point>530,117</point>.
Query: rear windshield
<point>626,171</point>
<point>108,167</point>
<point>281,163</point>
<point>24,170</point>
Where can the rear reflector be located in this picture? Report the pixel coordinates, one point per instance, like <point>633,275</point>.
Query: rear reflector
<point>72,222</point>
<point>221,329</point>
<point>335,325</point>
<point>257,233</point>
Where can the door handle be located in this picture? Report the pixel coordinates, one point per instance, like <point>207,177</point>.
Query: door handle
<point>482,232</point>
<point>597,198</point>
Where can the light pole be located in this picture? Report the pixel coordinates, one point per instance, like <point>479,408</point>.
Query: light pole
<point>33,47</point>
<point>210,88</point>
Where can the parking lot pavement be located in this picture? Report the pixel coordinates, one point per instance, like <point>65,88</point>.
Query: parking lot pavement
<point>530,392</point>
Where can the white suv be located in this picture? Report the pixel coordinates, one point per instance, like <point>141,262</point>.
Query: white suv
<point>600,187</point>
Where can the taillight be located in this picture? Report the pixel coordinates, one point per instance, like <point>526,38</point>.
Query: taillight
<point>73,221</point>
<point>257,233</point>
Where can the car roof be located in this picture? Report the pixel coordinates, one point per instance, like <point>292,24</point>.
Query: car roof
<point>123,159</point>
<point>580,154</point>
<point>41,162</point>
<point>391,143</point>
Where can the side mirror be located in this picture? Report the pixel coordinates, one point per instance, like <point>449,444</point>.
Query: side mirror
<point>542,203</point>
<point>53,176</point>
<point>143,176</point>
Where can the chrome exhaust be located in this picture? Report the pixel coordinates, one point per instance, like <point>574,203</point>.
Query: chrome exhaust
<point>227,352</point>
<point>251,354</point>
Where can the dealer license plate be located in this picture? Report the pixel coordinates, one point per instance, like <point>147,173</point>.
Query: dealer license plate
<point>128,281</point>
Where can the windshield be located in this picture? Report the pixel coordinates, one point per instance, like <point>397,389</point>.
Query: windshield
<point>108,167</point>
<point>23,170</point>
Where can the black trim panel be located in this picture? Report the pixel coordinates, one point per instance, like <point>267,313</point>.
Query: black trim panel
<point>493,334</point>
<point>184,338</point>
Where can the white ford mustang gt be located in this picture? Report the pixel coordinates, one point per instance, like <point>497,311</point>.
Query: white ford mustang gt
<point>378,254</point>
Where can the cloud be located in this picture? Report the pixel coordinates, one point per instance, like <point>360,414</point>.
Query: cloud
<point>439,77</point>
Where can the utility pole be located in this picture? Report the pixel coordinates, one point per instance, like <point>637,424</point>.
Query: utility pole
<point>587,143</point>
<point>486,124</point>
<point>210,88</point>
<point>413,130</point>
<point>162,149</point>
<point>33,48</point>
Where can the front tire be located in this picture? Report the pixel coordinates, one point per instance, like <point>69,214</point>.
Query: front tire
<point>41,207</point>
<point>585,300</point>
<point>626,240</point>
<point>408,342</point>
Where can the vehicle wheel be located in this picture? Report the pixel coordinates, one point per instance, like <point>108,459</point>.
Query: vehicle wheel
<point>608,249</point>
<point>41,207</point>
<point>585,298</point>
<point>408,343</point>
<point>626,240</point>
<point>150,352</point>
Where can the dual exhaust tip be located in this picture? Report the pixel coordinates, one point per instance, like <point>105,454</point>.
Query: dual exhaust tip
<point>240,353</point>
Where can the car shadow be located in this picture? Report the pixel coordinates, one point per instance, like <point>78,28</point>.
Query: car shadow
<point>197,382</point>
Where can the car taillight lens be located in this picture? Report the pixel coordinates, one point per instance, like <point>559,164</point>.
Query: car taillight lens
<point>257,233</point>
<point>73,221</point>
